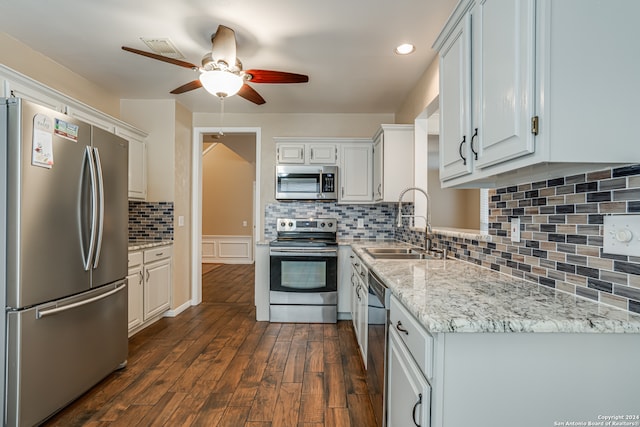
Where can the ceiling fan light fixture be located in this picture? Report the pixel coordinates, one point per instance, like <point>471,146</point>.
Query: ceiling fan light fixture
<point>221,83</point>
<point>405,49</point>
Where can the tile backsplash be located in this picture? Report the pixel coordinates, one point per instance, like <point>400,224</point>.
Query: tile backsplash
<point>561,223</point>
<point>378,218</point>
<point>150,221</point>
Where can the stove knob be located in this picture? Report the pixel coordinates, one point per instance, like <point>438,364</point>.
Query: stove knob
<point>290,224</point>
<point>282,224</point>
<point>330,224</point>
<point>322,224</point>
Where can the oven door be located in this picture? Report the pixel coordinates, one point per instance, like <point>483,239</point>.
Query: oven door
<point>304,270</point>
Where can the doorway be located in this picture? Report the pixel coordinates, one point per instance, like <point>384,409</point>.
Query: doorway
<point>196,202</point>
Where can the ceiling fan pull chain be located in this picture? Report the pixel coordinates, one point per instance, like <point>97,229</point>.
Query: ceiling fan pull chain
<point>221,115</point>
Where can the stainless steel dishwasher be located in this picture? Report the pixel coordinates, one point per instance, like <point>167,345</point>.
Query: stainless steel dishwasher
<point>379,298</point>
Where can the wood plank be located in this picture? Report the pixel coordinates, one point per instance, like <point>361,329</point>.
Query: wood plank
<point>266,397</point>
<point>337,417</point>
<point>294,368</point>
<point>335,391</point>
<point>360,410</point>
<point>213,409</point>
<point>287,409</point>
<point>315,357</point>
<point>234,416</point>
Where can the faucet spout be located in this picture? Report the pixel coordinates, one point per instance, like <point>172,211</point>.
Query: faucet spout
<point>427,231</point>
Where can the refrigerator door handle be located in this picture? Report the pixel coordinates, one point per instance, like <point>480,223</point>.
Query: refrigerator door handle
<point>44,313</point>
<point>88,158</point>
<point>100,199</point>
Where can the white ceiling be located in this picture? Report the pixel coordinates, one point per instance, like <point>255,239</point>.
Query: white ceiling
<point>345,46</point>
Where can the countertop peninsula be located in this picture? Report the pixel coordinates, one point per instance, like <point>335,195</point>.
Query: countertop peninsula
<point>456,296</point>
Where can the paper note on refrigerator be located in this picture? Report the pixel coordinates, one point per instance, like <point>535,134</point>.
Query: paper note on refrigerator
<point>42,144</point>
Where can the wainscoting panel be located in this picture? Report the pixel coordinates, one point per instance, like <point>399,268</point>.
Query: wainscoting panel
<point>227,249</point>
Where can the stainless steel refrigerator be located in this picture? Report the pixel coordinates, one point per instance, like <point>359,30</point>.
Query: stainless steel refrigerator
<point>64,266</point>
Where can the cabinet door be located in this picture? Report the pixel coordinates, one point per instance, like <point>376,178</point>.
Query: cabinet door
<point>290,153</point>
<point>137,169</point>
<point>157,288</point>
<point>455,102</point>
<point>503,79</point>
<point>344,279</point>
<point>136,300</point>
<point>378,168</point>
<point>355,173</point>
<point>409,393</point>
<point>323,154</point>
<point>363,320</point>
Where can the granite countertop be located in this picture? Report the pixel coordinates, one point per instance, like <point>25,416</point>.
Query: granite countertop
<point>456,296</point>
<point>147,244</point>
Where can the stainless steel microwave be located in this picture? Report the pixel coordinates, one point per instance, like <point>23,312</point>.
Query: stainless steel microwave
<point>306,182</point>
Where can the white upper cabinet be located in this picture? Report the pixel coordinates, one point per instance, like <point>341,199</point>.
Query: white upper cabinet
<point>320,152</point>
<point>355,172</point>
<point>137,162</point>
<point>522,95</point>
<point>290,153</point>
<point>392,162</point>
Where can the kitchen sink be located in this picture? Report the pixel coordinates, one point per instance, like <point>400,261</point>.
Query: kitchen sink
<point>403,253</point>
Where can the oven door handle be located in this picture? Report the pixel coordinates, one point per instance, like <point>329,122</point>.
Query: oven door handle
<point>305,252</point>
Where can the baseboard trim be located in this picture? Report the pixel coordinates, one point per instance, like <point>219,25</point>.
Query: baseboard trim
<point>177,310</point>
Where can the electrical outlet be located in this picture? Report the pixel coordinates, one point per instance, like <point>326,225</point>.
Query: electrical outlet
<point>360,223</point>
<point>180,221</point>
<point>515,229</point>
<point>622,235</point>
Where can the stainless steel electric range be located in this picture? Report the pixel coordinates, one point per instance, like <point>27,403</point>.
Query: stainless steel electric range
<point>304,271</point>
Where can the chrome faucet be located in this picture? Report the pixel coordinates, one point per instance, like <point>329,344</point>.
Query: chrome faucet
<point>427,217</point>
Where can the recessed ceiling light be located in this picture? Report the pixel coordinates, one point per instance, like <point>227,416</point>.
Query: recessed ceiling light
<point>405,49</point>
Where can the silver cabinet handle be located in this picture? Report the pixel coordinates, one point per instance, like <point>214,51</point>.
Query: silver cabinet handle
<point>56,310</point>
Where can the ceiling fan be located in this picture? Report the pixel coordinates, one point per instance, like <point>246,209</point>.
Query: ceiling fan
<point>221,73</point>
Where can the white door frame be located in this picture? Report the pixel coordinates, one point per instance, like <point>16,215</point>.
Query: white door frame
<point>196,201</point>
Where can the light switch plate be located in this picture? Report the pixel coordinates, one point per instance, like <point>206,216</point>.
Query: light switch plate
<point>515,229</point>
<point>622,234</point>
<point>360,223</point>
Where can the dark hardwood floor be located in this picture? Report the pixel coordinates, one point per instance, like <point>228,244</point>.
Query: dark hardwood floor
<point>214,365</point>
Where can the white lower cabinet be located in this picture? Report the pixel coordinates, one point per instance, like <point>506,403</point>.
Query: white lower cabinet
<point>360,304</point>
<point>149,286</point>
<point>409,393</point>
<point>344,281</point>
<point>135,281</point>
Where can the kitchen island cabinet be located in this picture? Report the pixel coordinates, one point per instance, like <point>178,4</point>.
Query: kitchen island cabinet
<point>502,351</point>
<point>517,98</point>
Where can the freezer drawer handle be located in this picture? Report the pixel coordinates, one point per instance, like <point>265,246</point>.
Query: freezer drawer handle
<point>57,310</point>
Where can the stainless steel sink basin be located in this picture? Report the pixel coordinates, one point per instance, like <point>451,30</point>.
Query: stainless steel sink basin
<point>403,253</point>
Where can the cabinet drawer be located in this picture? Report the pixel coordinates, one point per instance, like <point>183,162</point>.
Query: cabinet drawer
<point>156,254</point>
<point>415,337</point>
<point>135,259</point>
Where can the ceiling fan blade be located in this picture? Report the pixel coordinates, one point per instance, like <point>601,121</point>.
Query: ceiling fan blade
<point>249,93</point>
<point>161,58</point>
<point>267,76</point>
<point>187,87</point>
<point>223,46</point>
